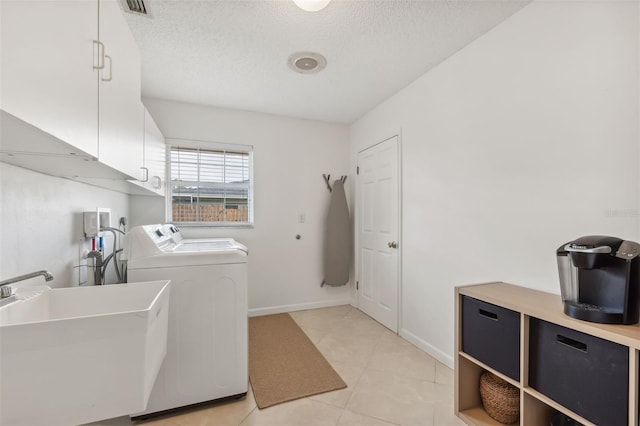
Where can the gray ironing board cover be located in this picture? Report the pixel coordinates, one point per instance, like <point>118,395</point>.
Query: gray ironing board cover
<point>337,239</point>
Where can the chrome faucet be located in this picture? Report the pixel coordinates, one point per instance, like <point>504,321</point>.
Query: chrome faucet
<point>6,291</point>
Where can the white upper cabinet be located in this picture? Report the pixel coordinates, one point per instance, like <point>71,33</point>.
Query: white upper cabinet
<point>48,76</point>
<point>155,152</point>
<point>121,113</point>
<point>154,169</point>
<point>70,89</point>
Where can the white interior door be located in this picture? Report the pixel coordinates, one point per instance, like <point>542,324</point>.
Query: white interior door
<point>378,228</point>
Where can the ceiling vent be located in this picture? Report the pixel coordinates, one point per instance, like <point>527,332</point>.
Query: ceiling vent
<point>307,62</point>
<point>135,6</point>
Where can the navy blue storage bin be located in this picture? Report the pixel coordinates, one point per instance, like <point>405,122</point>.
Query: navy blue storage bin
<point>491,334</point>
<point>586,374</point>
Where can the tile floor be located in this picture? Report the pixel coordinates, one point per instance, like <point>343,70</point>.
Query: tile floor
<point>389,382</point>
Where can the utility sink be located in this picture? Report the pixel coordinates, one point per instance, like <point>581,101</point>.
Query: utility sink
<point>81,354</point>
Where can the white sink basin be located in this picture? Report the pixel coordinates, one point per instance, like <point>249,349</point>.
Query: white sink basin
<point>81,354</point>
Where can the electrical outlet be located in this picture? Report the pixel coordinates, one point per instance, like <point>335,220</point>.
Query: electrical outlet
<point>302,217</point>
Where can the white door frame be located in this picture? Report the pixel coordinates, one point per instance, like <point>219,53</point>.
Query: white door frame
<point>398,134</point>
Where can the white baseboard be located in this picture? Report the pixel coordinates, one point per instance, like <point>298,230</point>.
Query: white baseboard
<point>441,356</point>
<point>256,312</point>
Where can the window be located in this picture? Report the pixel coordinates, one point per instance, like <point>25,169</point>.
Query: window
<point>210,184</point>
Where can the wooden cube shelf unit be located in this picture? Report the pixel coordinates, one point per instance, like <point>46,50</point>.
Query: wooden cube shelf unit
<point>536,408</point>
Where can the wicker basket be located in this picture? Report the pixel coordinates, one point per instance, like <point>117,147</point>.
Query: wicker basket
<point>500,399</point>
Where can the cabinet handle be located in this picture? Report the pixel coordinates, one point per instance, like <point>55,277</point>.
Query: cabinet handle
<point>582,347</point>
<point>100,56</point>
<point>146,174</point>
<point>110,69</point>
<point>157,182</point>
<point>488,314</point>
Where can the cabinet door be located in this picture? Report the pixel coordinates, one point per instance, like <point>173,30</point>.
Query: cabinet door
<point>154,155</point>
<point>121,113</point>
<point>47,61</point>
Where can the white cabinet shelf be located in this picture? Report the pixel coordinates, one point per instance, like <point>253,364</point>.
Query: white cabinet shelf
<point>536,408</point>
<point>46,154</point>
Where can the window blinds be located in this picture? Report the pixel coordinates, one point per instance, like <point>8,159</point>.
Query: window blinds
<point>210,185</point>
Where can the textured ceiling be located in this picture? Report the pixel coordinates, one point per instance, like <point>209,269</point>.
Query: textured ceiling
<point>233,53</point>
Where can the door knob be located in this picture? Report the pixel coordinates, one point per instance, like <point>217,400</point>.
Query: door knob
<point>392,244</point>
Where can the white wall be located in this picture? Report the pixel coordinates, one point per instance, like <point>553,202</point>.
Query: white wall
<point>525,139</point>
<point>290,156</point>
<point>41,223</point>
<point>146,210</point>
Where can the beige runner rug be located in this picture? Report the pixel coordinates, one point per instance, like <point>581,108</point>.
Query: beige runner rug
<point>284,364</point>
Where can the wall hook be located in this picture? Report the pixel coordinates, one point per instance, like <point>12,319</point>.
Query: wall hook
<point>327,178</point>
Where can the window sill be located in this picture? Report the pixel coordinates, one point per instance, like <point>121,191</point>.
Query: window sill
<point>212,225</point>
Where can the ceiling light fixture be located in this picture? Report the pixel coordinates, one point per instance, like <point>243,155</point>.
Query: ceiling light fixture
<point>311,5</point>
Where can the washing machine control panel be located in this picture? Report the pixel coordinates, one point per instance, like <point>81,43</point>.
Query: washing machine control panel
<point>166,236</point>
<point>160,235</point>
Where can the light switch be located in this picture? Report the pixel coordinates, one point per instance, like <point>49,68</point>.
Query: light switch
<point>302,217</point>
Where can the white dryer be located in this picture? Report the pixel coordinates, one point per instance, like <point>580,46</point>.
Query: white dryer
<point>207,338</point>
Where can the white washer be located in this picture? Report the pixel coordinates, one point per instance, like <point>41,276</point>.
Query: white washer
<point>207,338</point>
<point>190,244</point>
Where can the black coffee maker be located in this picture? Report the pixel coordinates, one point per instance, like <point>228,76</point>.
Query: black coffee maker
<point>600,279</point>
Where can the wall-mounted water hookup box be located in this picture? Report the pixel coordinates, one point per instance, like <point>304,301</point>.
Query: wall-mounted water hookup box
<point>96,220</point>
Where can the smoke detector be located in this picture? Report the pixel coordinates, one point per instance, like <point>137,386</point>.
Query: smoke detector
<point>307,62</point>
